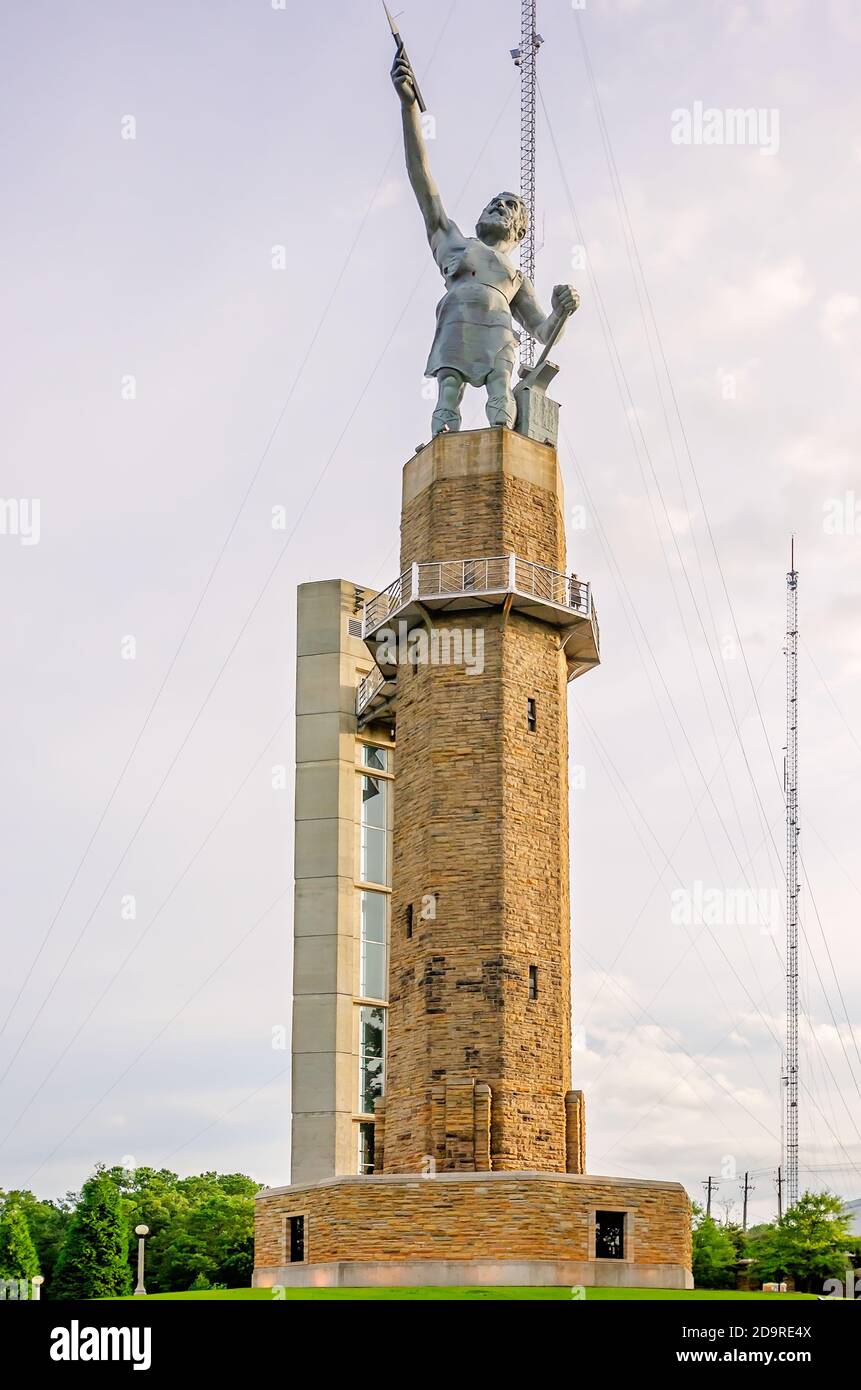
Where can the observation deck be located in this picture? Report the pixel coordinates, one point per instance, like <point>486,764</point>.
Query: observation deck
<point>483,582</point>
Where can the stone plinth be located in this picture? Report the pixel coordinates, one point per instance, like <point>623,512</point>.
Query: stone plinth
<point>462,1228</point>
<point>483,492</point>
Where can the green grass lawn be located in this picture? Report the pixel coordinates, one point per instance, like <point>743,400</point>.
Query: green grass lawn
<point>455,1294</point>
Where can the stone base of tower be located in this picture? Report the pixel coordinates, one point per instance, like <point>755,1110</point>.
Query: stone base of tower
<point>472,1228</point>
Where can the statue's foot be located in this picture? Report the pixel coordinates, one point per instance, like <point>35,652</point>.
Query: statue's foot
<point>502,413</point>
<point>445,421</point>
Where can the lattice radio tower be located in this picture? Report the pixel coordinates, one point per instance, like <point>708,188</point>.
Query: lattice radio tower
<point>526,58</point>
<point>791,789</point>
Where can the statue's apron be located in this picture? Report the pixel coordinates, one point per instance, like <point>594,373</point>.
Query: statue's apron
<point>474,331</point>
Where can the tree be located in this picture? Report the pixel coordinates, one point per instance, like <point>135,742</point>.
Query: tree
<point>93,1262</point>
<point>18,1258</point>
<point>47,1221</point>
<point>727,1205</point>
<point>714,1253</point>
<point>808,1244</point>
<point>213,1237</point>
<point>200,1225</point>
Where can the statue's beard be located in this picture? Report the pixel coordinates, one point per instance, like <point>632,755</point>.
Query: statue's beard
<point>489,229</point>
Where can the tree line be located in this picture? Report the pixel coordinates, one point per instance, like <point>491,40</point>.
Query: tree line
<point>810,1244</point>
<point>83,1244</point>
<point>202,1237</point>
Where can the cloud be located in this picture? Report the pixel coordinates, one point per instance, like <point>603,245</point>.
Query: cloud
<point>761,22</point>
<point>845,18</point>
<point>769,295</point>
<point>839,318</point>
<point>816,456</point>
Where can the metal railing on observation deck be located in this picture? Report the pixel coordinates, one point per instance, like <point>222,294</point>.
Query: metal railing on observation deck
<point>368,688</point>
<point>498,574</point>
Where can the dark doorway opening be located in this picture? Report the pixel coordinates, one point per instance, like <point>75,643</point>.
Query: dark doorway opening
<point>609,1235</point>
<point>296,1238</point>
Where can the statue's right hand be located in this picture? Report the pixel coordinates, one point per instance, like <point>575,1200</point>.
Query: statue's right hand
<point>403,79</point>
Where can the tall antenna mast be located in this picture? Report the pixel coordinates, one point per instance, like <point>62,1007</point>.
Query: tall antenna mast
<point>525,57</point>
<point>791,789</point>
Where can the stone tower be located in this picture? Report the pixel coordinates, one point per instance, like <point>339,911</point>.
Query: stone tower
<point>489,629</point>
<point>478,1170</point>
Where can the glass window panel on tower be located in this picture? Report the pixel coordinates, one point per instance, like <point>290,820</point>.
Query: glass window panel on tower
<point>373,846</point>
<point>366,1146</point>
<point>372,983</point>
<point>371,1024</point>
<point>375,758</point>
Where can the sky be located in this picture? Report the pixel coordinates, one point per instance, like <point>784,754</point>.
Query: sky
<point>218,302</point>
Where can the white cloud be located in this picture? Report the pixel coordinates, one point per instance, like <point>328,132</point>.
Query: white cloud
<point>839,317</point>
<point>816,456</point>
<point>769,295</point>
<point>760,21</point>
<point>845,18</point>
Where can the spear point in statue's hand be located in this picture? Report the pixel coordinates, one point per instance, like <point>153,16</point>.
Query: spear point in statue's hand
<point>403,76</point>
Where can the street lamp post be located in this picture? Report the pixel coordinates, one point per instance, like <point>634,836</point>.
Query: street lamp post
<point>141,1232</point>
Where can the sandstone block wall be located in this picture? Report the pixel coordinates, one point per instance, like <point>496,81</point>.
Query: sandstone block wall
<point>481,831</point>
<point>483,492</point>
<point>471,1217</point>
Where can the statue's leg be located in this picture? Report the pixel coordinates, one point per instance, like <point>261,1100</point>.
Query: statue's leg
<point>501,405</point>
<point>447,414</point>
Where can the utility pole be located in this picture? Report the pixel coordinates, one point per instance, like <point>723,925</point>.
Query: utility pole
<point>779,1194</point>
<point>709,1185</point>
<point>792,885</point>
<point>525,57</point>
<point>746,1187</point>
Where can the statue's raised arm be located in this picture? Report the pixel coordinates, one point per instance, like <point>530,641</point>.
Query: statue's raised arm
<point>418,169</point>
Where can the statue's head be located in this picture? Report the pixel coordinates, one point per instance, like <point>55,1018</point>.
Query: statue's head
<point>504,219</point>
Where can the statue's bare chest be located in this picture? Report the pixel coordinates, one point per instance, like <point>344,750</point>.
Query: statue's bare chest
<point>472,262</point>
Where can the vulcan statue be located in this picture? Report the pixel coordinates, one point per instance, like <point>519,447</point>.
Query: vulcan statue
<point>475,340</point>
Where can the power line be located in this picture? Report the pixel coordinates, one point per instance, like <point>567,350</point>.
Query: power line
<point>834,973</point>
<point>154,1039</point>
<point>628,228</point>
<point>198,605</point>
<point>238,638</point>
<point>706,930</point>
<point>715,1081</point>
<point>629,407</point>
<point>148,928</point>
<point>219,557</point>
<point>243,1100</point>
<point>830,693</point>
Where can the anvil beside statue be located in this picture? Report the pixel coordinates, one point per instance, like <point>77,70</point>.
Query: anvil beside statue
<point>537,413</point>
